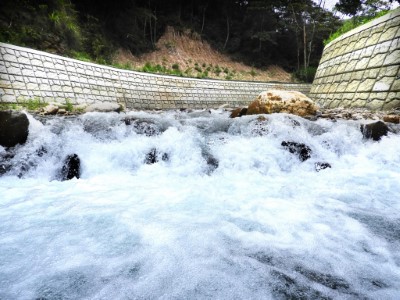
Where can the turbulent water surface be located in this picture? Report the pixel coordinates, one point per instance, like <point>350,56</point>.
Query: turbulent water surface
<point>181,205</point>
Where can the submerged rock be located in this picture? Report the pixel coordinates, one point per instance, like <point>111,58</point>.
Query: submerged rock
<point>260,126</point>
<point>145,127</point>
<point>277,101</point>
<point>5,162</point>
<point>71,167</point>
<point>321,166</point>
<point>302,150</point>
<point>154,156</point>
<point>212,162</point>
<point>14,128</point>
<point>375,130</point>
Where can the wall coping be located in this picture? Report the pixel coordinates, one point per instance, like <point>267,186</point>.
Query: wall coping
<point>56,56</point>
<point>390,15</point>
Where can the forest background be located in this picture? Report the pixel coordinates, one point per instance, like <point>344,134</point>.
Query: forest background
<point>254,33</point>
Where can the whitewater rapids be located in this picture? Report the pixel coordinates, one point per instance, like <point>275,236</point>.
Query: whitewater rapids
<point>255,223</point>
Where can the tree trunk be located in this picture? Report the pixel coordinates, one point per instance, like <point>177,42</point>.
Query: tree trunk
<point>144,28</point>
<point>227,32</point>
<point>155,27</point>
<point>204,18</point>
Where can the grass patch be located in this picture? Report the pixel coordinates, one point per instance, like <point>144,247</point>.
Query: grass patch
<point>7,106</point>
<point>83,56</point>
<point>28,104</point>
<point>353,23</point>
<point>68,105</point>
<point>33,104</point>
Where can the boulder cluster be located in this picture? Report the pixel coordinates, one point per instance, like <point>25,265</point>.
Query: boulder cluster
<point>296,103</point>
<point>14,129</point>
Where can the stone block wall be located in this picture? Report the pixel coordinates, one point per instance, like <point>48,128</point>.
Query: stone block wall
<point>28,74</point>
<point>362,67</point>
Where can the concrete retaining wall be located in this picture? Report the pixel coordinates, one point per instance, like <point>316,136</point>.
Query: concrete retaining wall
<point>362,67</point>
<point>28,74</point>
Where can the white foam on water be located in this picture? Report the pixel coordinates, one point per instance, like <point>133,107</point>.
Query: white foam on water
<point>262,225</point>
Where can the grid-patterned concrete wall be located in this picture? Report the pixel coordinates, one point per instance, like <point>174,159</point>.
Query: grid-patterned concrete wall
<point>27,74</point>
<point>362,67</point>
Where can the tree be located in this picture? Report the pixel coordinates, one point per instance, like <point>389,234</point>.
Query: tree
<point>363,7</point>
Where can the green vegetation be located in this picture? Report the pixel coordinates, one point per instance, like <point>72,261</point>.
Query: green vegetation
<point>68,105</point>
<point>6,106</point>
<point>289,34</point>
<point>33,104</point>
<point>253,73</point>
<point>188,72</point>
<point>217,70</point>
<point>305,75</point>
<point>353,23</point>
<point>29,104</point>
<point>150,68</point>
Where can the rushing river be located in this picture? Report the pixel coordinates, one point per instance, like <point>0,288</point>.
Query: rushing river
<point>179,205</point>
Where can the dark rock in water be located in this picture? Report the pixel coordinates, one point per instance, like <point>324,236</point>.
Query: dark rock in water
<point>212,162</point>
<point>71,167</point>
<point>4,168</point>
<point>374,130</point>
<point>153,156</point>
<point>321,166</point>
<point>5,162</point>
<point>238,112</point>
<point>14,128</point>
<point>302,150</point>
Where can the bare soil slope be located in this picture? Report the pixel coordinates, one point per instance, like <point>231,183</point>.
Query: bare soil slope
<point>191,56</point>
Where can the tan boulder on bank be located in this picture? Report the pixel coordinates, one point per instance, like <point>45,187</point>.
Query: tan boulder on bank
<point>278,101</point>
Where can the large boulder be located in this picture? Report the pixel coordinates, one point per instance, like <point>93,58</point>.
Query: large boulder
<point>277,101</point>
<point>374,130</point>
<point>14,128</point>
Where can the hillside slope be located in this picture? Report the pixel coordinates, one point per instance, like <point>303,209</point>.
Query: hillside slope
<point>193,57</point>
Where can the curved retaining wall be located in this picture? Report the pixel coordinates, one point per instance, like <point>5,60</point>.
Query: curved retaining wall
<point>362,67</point>
<point>27,74</point>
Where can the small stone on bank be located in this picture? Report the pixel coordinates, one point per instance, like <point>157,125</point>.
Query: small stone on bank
<point>392,119</point>
<point>104,107</point>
